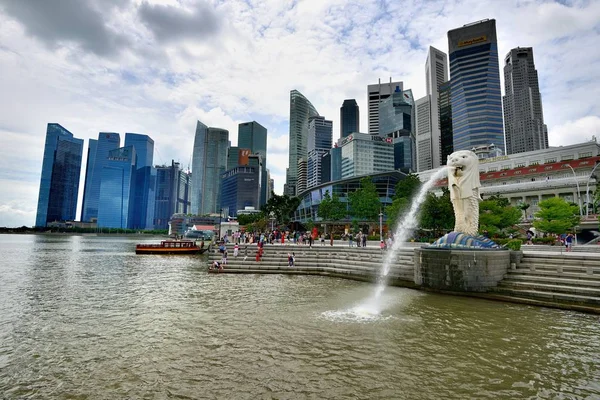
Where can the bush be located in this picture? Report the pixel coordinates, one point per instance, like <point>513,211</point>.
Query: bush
<point>514,244</point>
<point>546,240</point>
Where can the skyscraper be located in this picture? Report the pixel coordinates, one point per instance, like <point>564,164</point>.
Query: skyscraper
<point>253,136</point>
<point>209,162</point>
<point>376,93</point>
<point>59,183</point>
<point>523,115</point>
<point>445,111</point>
<point>320,137</point>
<point>145,181</point>
<point>475,86</point>
<point>117,189</point>
<point>97,157</point>
<point>349,118</point>
<point>300,110</point>
<point>172,193</point>
<point>428,130</point>
<point>396,121</point>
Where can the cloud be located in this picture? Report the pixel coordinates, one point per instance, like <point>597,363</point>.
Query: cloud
<point>170,23</point>
<point>577,131</point>
<point>60,22</point>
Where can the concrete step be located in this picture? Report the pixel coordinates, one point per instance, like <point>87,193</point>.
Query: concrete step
<point>553,280</point>
<point>547,296</point>
<point>572,268</point>
<point>553,288</point>
<point>555,274</point>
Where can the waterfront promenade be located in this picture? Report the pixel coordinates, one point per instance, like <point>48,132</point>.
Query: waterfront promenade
<point>542,275</point>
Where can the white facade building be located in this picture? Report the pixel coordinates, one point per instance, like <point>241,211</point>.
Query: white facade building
<point>364,154</point>
<point>376,93</point>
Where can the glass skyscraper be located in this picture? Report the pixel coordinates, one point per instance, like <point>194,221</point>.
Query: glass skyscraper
<point>300,110</point>
<point>320,137</point>
<point>396,121</point>
<point>209,162</point>
<point>97,158</point>
<point>142,216</point>
<point>445,111</point>
<point>241,188</point>
<point>172,194</point>
<point>253,136</point>
<point>59,183</point>
<point>475,86</point>
<point>349,118</point>
<point>117,189</point>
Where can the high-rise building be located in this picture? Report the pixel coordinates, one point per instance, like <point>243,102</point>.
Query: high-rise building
<point>445,112</point>
<point>59,183</point>
<point>233,155</point>
<point>117,189</point>
<point>97,158</point>
<point>209,162</point>
<point>364,154</point>
<point>475,86</point>
<point>396,121</point>
<point>300,110</point>
<point>253,136</point>
<point>428,129</point>
<point>320,138</point>
<point>241,188</point>
<point>349,118</point>
<point>336,163</point>
<point>376,93</point>
<point>142,216</point>
<point>172,193</point>
<point>302,175</point>
<point>523,115</point>
<point>326,167</point>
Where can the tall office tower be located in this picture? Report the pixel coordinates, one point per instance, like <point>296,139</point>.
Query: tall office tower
<point>445,112</point>
<point>523,115</point>
<point>326,167</point>
<point>428,129</point>
<point>271,186</point>
<point>300,110</point>
<point>172,193</point>
<point>349,118</point>
<point>364,154</point>
<point>253,136</point>
<point>233,155</point>
<point>91,153</point>
<point>320,138</point>
<point>142,216</point>
<point>302,169</point>
<point>376,94</point>
<point>117,189</point>
<point>396,122</point>
<point>336,163</point>
<point>241,188</point>
<point>97,157</point>
<point>475,86</point>
<point>209,162</point>
<point>59,184</point>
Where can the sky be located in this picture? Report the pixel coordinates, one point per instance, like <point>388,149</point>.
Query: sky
<point>157,67</point>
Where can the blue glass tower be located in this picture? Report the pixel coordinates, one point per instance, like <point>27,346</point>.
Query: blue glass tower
<point>475,86</point>
<point>320,137</point>
<point>97,158</point>
<point>349,118</point>
<point>145,181</point>
<point>59,184</point>
<point>117,189</point>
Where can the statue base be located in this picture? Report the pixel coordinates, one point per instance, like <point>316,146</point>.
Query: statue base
<point>457,240</point>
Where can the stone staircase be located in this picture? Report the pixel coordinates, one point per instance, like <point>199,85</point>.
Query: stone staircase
<point>558,278</point>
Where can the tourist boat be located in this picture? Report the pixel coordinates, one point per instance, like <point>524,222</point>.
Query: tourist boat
<point>172,247</point>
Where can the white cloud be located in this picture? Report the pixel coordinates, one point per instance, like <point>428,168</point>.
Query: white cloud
<point>242,66</point>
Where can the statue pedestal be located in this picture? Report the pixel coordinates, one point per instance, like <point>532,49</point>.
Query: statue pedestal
<point>461,263</point>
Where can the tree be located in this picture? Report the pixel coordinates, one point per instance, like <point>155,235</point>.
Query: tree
<point>556,216</point>
<point>523,206</point>
<point>437,213</point>
<point>331,208</point>
<point>282,206</point>
<point>364,202</point>
<point>496,214</point>
<point>406,189</point>
<point>245,219</point>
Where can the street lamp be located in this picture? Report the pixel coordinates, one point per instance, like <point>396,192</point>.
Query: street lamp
<point>272,218</point>
<point>380,225</point>
<point>578,192</point>
<point>587,192</point>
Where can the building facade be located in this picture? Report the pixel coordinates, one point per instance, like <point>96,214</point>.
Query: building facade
<point>364,154</point>
<point>396,121</point>
<point>117,189</point>
<point>376,93</point>
<point>475,86</point>
<point>209,162</point>
<point>302,175</point>
<point>59,183</point>
<point>320,137</point>
<point>240,189</point>
<point>523,115</point>
<point>253,136</point>
<point>349,118</point>
<point>142,216</point>
<point>300,110</point>
<point>172,193</point>
<point>107,141</point>
<point>445,113</point>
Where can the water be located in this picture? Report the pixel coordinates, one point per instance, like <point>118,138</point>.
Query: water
<point>85,318</point>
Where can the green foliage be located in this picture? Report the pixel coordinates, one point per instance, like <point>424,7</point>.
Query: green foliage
<point>437,212</point>
<point>394,210</point>
<point>514,244</point>
<point>246,219</point>
<point>496,214</point>
<point>282,206</point>
<point>408,187</point>
<point>355,227</point>
<point>364,202</point>
<point>556,216</point>
<point>309,225</point>
<point>331,208</point>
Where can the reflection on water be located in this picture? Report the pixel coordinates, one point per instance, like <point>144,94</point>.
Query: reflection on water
<point>84,317</point>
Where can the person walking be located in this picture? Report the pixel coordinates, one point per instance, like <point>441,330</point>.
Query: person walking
<point>236,250</point>
<point>364,240</point>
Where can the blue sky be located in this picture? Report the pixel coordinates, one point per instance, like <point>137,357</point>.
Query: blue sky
<point>156,67</point>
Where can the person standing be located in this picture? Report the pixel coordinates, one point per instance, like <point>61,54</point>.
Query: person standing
<point>569,241</point>
<point>364,240</point>
<point>236,250</point>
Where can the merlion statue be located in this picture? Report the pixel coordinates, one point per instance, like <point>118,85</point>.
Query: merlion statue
<point>463,182</point>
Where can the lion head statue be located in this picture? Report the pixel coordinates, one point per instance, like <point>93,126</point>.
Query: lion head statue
<point>463,174</point>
